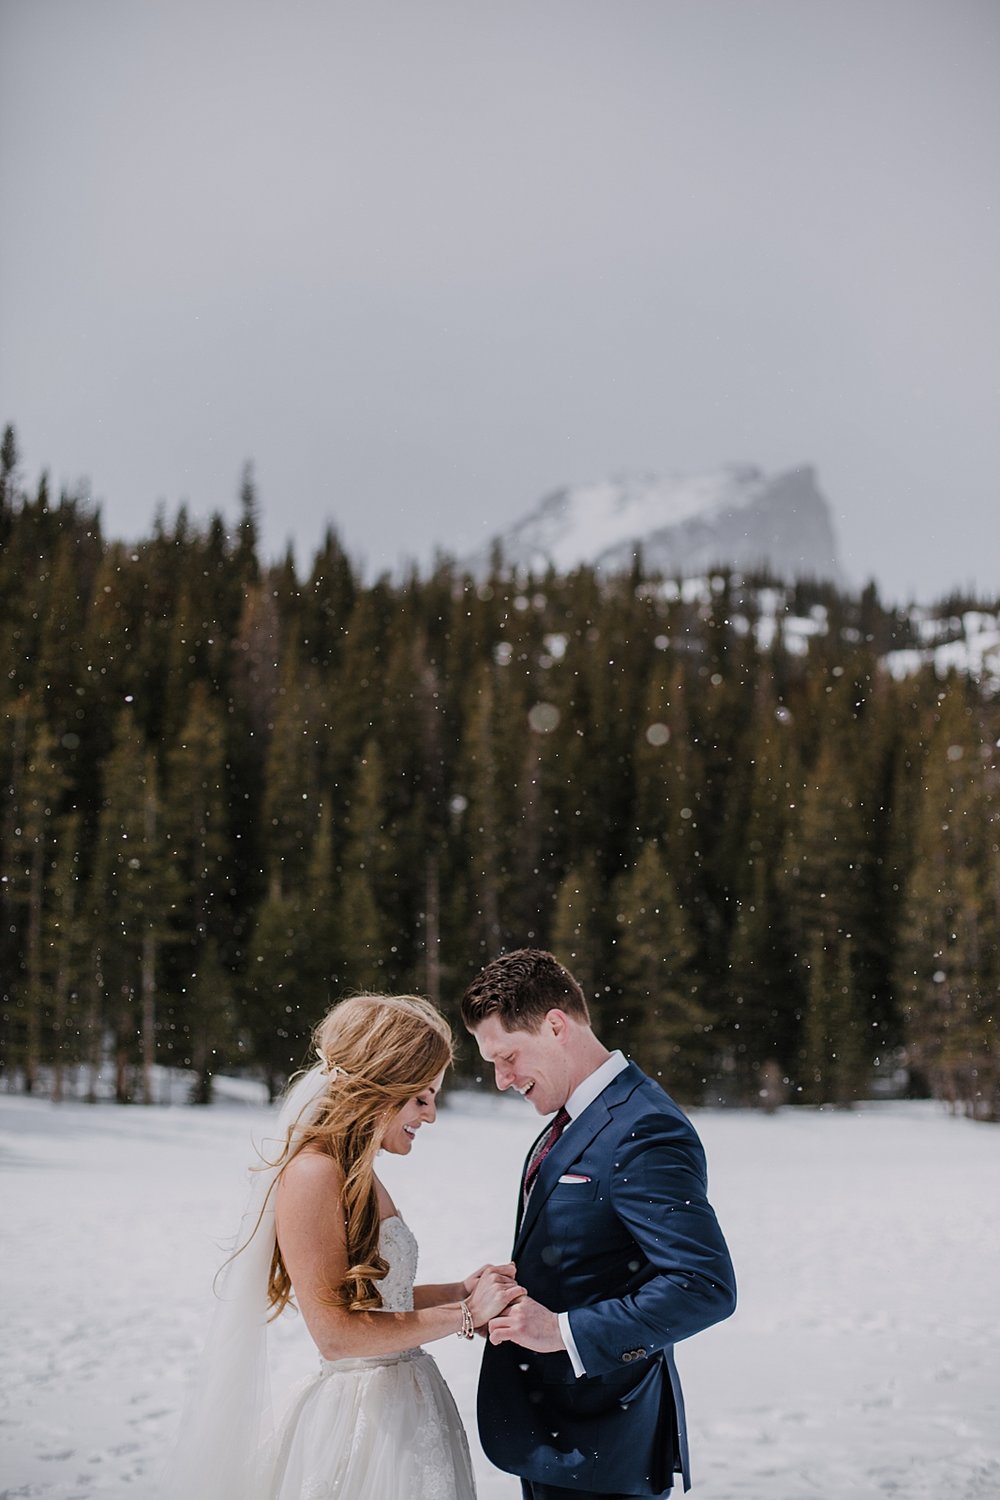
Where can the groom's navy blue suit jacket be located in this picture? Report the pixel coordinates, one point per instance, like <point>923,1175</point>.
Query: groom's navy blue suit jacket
<point>634,1253</point>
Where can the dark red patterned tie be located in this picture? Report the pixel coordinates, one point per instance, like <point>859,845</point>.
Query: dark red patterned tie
<point>542,1149</point>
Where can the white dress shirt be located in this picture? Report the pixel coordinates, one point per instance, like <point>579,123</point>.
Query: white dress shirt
<point>583,1095</point>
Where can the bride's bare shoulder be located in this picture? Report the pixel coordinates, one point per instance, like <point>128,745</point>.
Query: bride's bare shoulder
<point>311,1170</point>
<point>309,1206</point>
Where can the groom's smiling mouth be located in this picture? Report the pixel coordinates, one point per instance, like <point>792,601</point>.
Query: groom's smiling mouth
<point>524,1089</point>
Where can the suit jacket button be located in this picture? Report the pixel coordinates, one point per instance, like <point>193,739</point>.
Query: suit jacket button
<point>627,1357</point>
<point>639,1353</point>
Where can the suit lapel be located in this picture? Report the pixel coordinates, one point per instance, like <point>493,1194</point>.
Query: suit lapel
<point>575,1139</point>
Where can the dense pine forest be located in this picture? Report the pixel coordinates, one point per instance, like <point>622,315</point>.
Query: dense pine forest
<point>233,791</point>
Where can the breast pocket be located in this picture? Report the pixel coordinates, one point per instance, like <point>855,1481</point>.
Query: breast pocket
<point>572,1189</point>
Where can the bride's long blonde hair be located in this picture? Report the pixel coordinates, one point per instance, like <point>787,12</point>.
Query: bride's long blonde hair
<point>378,1051</point>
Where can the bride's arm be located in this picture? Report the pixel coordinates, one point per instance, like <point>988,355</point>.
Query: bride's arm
<point>432,1295</point>
<point>309,1220</point>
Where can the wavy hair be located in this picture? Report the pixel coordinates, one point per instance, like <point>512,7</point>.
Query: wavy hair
<point>378,1050</point>
<point>520,988</point>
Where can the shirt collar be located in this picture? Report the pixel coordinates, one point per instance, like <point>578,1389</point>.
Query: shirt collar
<point>595,1083</point>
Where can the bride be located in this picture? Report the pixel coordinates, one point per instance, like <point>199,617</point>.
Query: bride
<point>376,1421</point>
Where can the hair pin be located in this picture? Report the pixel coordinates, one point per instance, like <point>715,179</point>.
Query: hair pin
<point>331,1069</point>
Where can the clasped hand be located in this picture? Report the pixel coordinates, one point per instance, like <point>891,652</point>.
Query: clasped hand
<point>504,1310</point>
<point>491,1289</point>
<point>529,1324</point>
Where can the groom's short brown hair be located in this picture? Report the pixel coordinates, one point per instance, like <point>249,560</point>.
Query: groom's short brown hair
<point>520,988</point>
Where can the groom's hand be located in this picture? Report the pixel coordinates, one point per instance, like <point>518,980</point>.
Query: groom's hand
<point>529,1324</point>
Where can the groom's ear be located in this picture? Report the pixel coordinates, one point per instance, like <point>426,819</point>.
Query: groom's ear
<point>558,1022</point>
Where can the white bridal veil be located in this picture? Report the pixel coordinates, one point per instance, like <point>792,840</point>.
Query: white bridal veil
<point>227,1428</point>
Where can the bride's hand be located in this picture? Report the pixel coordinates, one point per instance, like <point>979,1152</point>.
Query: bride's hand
<point>495,1289</point>
<point>470,1283</point>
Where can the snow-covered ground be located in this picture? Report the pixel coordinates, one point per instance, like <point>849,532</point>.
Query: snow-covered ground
<point>863,1360</point>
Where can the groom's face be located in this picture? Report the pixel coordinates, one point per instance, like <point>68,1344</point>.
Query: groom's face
<point>534,1063</point>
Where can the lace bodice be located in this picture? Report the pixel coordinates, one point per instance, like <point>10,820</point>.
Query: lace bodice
<point>399,1247</point>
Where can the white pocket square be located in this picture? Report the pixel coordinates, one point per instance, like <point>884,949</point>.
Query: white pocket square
<point>572,1177</point>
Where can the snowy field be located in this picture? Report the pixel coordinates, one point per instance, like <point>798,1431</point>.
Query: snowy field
<point>864,1360</point>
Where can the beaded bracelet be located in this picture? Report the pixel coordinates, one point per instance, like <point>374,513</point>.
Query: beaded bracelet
<point>468,1328</point>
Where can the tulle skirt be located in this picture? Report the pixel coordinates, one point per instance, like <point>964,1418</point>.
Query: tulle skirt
<point>383,1428</point>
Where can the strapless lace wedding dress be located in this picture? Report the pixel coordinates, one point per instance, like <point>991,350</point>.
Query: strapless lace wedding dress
<point>379,1428</point>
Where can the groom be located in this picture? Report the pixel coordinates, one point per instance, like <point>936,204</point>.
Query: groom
<point>616,1244</point>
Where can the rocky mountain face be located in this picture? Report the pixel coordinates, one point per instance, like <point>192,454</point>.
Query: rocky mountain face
<point>735,516</point>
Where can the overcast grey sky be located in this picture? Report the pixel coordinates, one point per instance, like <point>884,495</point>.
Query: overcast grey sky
<point>424,261</point>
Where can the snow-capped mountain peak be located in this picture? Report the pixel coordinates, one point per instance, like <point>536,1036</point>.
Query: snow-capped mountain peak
<point>733,515</point>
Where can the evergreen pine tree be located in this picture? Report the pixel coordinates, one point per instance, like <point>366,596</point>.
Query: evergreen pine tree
<point>577,930</point>
<point>822,885</point>
<point>42,785</point>
<point>291,792</point>
<point>197,844</point>
<point>363,936</point>
<point>246,564</point>
<point>63,938</point>
<point>661,1019</point>
<point>481,821</point>
<point>128,897</point>
<point>269,989</point>
<point>9,460</point>
<point>949,957</point>
<point>760,1021</point>
<point>212,1023</point>
<point>329,597</point>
